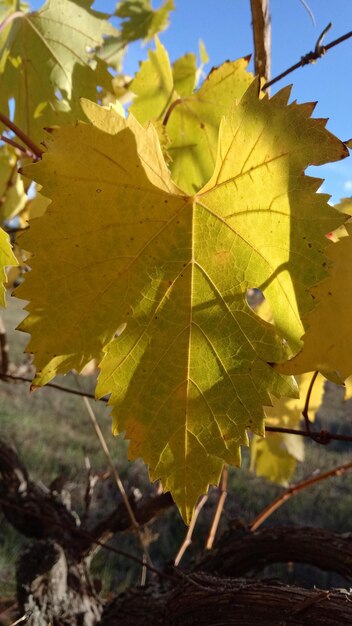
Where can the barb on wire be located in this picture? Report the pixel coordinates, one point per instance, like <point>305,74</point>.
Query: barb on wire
<point>312,56</point>
<point>319,50</point>
<point>323,437</point>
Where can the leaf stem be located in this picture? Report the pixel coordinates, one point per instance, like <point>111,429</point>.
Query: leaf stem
<point>11,17</point>
<point>21,135</point>
<point>305,411</point>
<point>172,106</point>
<point>291,491</point>
<point>18,146</point>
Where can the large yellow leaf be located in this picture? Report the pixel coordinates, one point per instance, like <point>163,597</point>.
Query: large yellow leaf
<point>129,254</point>
<point>327,341</point>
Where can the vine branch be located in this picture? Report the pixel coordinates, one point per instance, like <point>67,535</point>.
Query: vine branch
<point>75,392</point>
<point>291,491</point>
<point>188,538</point>
<point>261,28</point>
<point>306,404</point>
<point>323,437</point>
<point>219,508</point>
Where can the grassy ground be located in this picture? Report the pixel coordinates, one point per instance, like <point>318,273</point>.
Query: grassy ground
<point>52,432</point>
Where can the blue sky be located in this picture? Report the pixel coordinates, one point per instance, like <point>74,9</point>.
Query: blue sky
<point>225,28</point>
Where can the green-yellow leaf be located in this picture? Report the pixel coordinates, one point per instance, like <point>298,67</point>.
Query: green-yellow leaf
<point>153,86</point>
<point>184,72</point>
<point>131,255</point>
<point>141,21</point>
<point>193,124</point>
<point>45,52</point>
<point>192,120</point>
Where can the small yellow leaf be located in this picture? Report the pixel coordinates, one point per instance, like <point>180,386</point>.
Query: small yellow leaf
<point>327,341</point>
<point>7,258</point>
<point>275,456</point>
<point>12,193</point>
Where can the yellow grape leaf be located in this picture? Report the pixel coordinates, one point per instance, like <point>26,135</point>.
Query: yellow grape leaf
<point>12,194</point>
<point>52,50</point>
<point>327,341</point>
<point>276,456</point>
<point>271,459</point>
<point>153,86</point>
<point>125,248</point>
